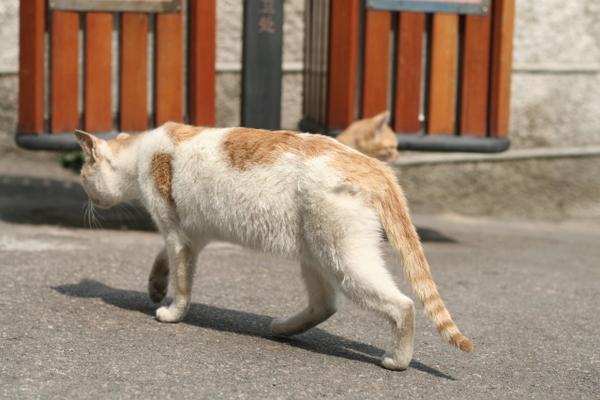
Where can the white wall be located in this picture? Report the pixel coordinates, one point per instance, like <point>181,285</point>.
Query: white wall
<point>9,54</point>
<point>556,73</point>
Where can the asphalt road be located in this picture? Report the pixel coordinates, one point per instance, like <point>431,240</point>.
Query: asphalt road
<point>75,320</point>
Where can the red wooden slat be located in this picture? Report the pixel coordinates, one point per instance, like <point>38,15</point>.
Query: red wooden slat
<point>502,43</point>
<point>443,68</point>
<point>64,67</point>
<point>376,62</point>
<point>169,68</point>
<point>343,62</point>
<point>134,72</point>
<point>31,66</point>
<point>475,76</point>
<point>409,73</point>
<point>98,72</point>
<point>202,54</point>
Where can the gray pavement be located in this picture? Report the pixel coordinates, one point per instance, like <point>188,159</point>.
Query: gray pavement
<point>75,320</point>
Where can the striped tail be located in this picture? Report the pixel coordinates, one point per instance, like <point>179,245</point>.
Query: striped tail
<point>403,237</point>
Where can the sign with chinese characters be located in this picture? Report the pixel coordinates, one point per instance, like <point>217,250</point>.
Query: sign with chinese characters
<point>480,7</point>
<point>143,6</point>
<point>267,12</point>
<point>262,58</point>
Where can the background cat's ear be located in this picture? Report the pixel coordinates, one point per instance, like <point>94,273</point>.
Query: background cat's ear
<point>380,121</point>
<point>123,135</point>
<point>88,143</point>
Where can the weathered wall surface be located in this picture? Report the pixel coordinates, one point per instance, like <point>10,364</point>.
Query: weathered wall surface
<point>9,53</point>
<point>534,188</point>
<point>556,78</point>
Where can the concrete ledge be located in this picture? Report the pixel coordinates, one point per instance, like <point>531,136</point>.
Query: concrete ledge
<point>416,142</point>
<point>529,183</point>
<point>520,154</point>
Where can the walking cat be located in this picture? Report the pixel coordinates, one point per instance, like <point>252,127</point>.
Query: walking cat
<point>296,195</point>
<point>373,137</point>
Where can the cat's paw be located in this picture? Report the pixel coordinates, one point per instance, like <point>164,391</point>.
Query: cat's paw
<point>278,327</point>
<point>390,362</point>
<point>165,314</point>
<point>157,290</point>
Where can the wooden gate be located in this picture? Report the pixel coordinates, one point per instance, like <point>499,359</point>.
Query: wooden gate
<point>445,78</point>
<point>92,71</point>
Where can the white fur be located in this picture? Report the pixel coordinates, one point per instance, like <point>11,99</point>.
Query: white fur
<point>293,207</point>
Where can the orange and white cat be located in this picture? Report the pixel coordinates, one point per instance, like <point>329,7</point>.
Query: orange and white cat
<point>296,195</point>
<point>373,137</point>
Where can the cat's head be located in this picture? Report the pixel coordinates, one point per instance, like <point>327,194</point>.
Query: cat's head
<point>104,172</point>
<point>373,137</point>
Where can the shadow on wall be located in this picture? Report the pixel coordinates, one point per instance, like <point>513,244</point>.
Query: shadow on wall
<point>54,202</point>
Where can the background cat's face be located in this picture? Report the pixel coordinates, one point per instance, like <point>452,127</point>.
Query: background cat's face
<point>385,145</point>
<point>373,137</point>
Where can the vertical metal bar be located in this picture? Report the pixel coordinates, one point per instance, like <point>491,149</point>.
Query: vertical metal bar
<point>262,58</point>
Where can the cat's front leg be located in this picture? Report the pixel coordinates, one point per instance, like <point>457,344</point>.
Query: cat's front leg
<point>182,262</point>
<point>158,281</point>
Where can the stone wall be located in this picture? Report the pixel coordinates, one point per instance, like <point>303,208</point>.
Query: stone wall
<point>9,54</point>
<point>556,74</point>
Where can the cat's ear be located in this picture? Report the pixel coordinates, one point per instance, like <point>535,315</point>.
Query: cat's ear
<point>380,122</point>
<point>89,144</point>
<point>123,135</point>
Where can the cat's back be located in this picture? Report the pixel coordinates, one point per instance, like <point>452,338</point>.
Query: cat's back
<point>241,149</point>
<point>240,154</point>
<point>240,183</point>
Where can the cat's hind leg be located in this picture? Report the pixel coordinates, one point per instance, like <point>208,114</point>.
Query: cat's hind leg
<point>158,281</point>
<point>366,281</point>
<point>322,304</point>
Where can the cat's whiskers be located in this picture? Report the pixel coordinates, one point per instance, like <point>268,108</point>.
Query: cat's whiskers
<point>128,214</point>
<point>92,217</point>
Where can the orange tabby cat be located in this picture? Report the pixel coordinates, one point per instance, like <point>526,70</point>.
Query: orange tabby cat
<point>373,137</point>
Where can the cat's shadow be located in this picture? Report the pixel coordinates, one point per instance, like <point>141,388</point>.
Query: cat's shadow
<point>316,340</point>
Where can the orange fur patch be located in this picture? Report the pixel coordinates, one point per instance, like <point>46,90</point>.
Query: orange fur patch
<point>246,147</point>
<point>121,142</point>
<point>162,173</point>
<point>180,133</point>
